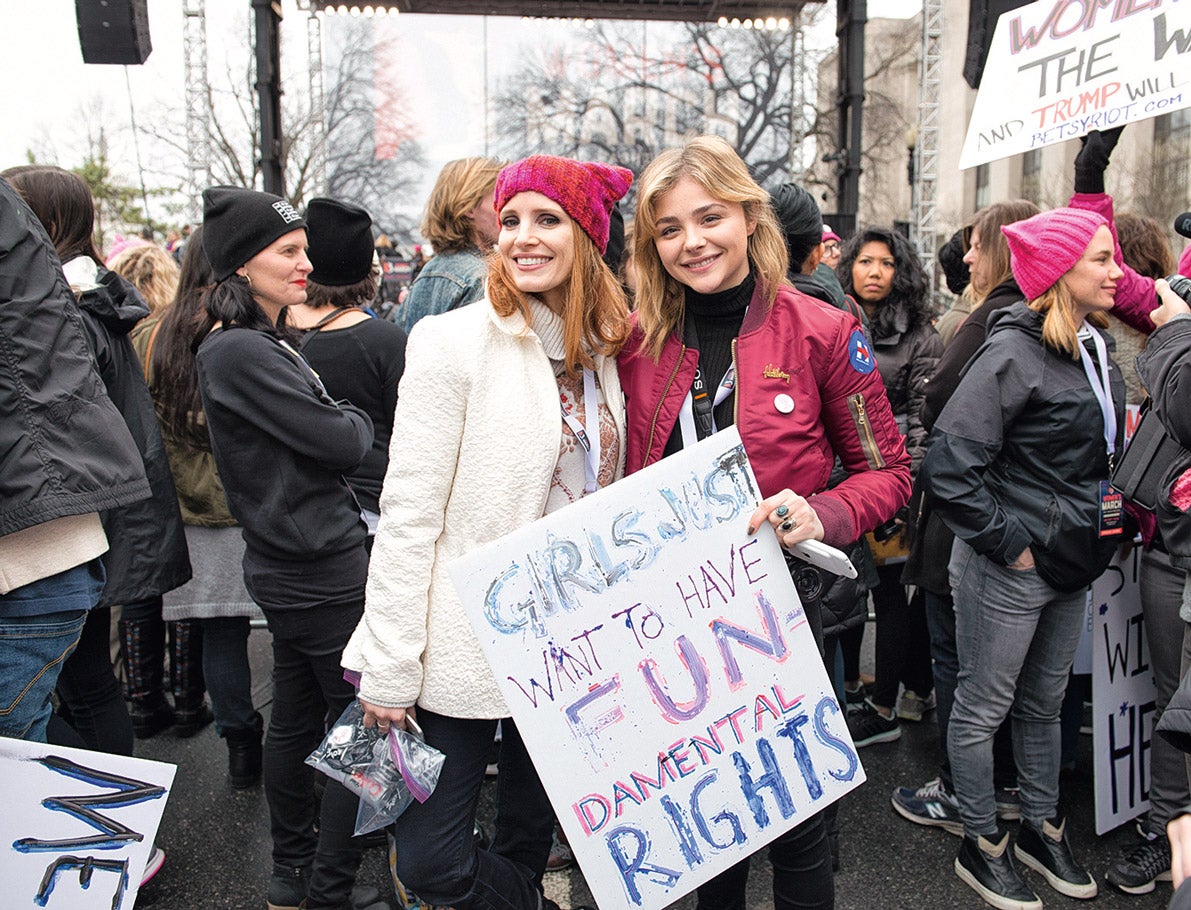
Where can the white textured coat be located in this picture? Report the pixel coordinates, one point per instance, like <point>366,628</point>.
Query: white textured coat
<point>475,442</point>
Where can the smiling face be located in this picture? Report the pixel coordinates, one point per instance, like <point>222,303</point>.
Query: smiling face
<point>278,273</point>
<point>1092,282</point>
<point>872,273</point>
<point>537,244</point>
<point>702,241</point>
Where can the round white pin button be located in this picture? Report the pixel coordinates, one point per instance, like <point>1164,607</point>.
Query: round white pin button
<point>784,403</point>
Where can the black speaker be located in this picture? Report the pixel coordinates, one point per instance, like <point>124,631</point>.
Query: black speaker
<point>114,31</point>
<point>982,23</point>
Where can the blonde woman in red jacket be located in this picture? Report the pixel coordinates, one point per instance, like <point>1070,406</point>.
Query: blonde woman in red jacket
<point>794,375</point>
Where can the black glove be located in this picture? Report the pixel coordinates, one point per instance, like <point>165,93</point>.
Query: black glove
<point>1095,149</point>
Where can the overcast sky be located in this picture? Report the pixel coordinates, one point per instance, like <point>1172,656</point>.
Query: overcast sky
<point>47,85</point>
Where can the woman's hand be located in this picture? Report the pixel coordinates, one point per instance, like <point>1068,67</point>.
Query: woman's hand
<point>1179,831</point>
<point>1024,561</point>
<point>791,516</point>
<point>1172,304</point>
<point>383,718</point>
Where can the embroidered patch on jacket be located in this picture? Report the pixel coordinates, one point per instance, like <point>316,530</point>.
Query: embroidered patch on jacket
<point>860,355</point>
<point>772,372</point>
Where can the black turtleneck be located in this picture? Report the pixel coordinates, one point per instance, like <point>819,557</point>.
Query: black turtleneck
<point>712,323</point>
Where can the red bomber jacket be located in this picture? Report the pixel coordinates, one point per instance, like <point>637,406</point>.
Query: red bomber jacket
<point>807,389</point>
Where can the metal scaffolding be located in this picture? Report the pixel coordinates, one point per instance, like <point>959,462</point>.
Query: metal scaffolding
<point>924,187</point>
<point>198,106</point>
<point>318,96</point>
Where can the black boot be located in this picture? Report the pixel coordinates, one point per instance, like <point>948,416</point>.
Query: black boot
<point>191,712</point>
<point>143,641</point>
<point>244,755</point>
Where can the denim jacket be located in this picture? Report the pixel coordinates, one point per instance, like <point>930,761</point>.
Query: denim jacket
<point>447,282</point>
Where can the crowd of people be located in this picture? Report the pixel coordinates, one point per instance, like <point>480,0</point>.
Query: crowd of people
<point>224,429</point>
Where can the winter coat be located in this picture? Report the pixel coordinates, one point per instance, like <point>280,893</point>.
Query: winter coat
<point>1165,368</point>
<point>447,282</point>
<point>147,555</point>
<point>1018,454</point>
<point>476,439</point>
<point>63,448</point>
<point>807,390</point>
<point>907,360</point>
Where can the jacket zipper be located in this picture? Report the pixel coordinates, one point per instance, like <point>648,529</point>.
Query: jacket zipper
<point>736,396</point>
<point>653,423</point>
<point>868,442</point>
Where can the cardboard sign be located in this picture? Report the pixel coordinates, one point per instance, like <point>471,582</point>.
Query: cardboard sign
<point>661,671</point>
<point>1123,695</point>
<point>77,826</point>
<point>1058,69</point>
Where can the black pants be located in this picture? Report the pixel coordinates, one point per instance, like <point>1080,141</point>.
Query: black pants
<point>309,692</point>
<point>89,693</point>
<point>903,642</point>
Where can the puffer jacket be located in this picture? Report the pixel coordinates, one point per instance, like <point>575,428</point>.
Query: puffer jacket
<point>1018,454</point>
<point>148,554</point>
<point>63,448</point>
<point>907,360</point>
<point>807,390</point>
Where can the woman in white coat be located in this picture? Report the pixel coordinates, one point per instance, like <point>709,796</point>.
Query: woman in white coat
<point>509,410</point>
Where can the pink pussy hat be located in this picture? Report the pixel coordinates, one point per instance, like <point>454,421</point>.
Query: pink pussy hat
<point>586,190</point>
<point>1045,247</point>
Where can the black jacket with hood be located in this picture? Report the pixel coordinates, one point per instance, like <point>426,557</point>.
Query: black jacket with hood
<point>1018,454</point>
<point>147,555</point>
<point>63,448</point>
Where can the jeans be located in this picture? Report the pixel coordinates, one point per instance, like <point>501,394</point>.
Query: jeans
<point>32,652</point>
<point>802,876</point>
<point>89,692</point>
<point>1161,593</point>
<point>227,672</point>
<point>1016,639</point>
<point>309,692</point>
<point>437,856</point>
<point>940,620</point>
<point>40,624</point>
<point>903,643</point>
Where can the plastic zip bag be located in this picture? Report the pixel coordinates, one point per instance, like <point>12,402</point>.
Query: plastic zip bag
<point>386,772</point>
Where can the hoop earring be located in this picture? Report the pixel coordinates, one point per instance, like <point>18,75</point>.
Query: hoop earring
<point>248,278</point>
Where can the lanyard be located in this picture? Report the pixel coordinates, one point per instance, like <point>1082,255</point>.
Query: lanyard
<point>697,398</point>
<point>1101,389</point>
<point>589,436</point>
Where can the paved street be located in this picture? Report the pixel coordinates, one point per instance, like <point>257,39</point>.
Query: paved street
<point>217,839</point>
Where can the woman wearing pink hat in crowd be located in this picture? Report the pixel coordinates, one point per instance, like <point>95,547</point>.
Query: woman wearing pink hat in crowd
<point>1018,468</point>
<point>480,448</point>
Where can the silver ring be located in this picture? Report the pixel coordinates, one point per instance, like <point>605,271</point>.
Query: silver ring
<point>789,524</point>
<point>782,511</point>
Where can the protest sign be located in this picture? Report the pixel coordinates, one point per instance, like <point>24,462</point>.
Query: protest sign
<point>659,665</point>
<point>1123,693</point>
<point>77,826</point>
<point>1058,69</point>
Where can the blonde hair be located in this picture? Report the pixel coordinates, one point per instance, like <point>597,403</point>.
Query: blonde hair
<point>594,311</point>
<point>994,248</point>
<point>152,271</point>
<point>1059,330</point>
<point>459,188</point>
<point>713,164</point>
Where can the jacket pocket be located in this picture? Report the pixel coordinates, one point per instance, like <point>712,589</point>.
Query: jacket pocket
<point>864,432</point>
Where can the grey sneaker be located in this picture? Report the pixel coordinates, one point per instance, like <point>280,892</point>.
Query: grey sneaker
<point>913,707</point>
<point>1008,804</point>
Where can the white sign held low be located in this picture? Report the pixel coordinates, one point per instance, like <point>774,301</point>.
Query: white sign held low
<point>660,668</point>
<point>77,826</point>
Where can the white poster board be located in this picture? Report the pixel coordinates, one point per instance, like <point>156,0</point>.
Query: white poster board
<point>1123,694</point>
<point>1058,69</point>
<point>76,827</point>
<point>661,671</point>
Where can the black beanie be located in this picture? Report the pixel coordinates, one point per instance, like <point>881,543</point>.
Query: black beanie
<point>238,224</point>
<point>951,261</point>
<point>341,246</point>
<point>801,221</point>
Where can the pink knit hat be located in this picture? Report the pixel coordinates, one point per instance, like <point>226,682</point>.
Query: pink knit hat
<point>1043,248</point>
<point>829,234</point>
<point>586,190</point>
